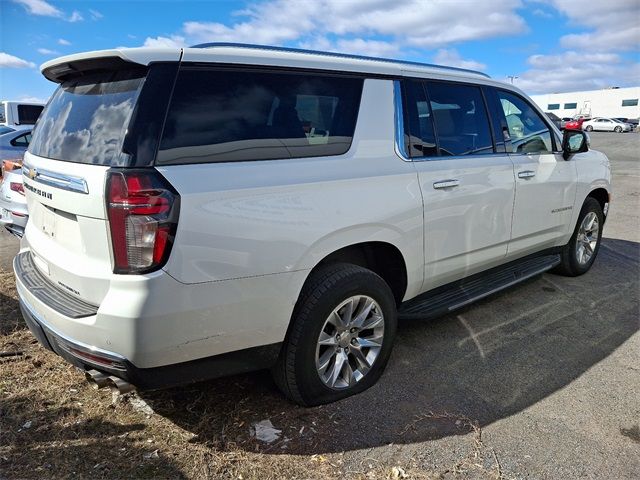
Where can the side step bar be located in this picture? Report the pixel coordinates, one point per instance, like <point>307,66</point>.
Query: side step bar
<point>456,295</point>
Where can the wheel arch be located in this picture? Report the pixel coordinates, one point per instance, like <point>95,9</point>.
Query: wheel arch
<point>601,195</point>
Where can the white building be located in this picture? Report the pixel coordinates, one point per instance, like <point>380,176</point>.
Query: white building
<point>612,102</point>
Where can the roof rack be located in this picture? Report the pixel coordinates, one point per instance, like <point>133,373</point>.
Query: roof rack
<point>332,54</point>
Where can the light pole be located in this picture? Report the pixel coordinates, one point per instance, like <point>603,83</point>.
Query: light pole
<point>512,78</point>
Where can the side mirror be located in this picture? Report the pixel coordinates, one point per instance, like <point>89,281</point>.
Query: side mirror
<point>574,141</point>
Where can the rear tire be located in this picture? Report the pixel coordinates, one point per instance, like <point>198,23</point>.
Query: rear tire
<point>578,255</point>
<point>589,128</point>
<point>319,336</point>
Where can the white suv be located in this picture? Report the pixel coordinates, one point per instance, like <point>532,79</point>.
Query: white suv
<point>211,210</point>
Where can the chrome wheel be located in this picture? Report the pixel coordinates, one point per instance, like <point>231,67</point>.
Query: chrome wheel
<point>350,342</point>
<point>587,238</point>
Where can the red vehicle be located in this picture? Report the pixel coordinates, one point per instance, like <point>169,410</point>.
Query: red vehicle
<point>574,124</point>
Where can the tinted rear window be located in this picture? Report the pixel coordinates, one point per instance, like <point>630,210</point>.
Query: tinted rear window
<point>222,115</point>
<point>86,119</point>
<point>28,114</point>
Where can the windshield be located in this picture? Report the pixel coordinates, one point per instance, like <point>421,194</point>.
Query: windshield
<point>4,129</point>
<point>87,118</point>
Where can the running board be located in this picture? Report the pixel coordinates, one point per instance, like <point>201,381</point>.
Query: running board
<point>456,295</point>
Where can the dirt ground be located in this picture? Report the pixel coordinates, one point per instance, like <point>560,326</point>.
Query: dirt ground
<point>540,381</point>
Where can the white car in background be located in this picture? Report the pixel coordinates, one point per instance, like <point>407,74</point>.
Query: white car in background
<point>606,125</point>
<point>13,204</point>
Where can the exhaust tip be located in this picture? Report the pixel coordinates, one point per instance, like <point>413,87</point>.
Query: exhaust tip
<point>97,379</point>
<point>100,380</point>
<point>120,386</point>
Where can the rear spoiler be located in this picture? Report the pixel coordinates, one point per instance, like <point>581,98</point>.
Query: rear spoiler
<point>60,69</point>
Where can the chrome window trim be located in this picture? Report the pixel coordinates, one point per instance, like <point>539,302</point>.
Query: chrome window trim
<point>54,179</point>
<point>461,157</point>
<point>399,146</point>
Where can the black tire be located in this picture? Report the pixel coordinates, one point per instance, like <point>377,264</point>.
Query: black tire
<point>618,129</point>
<point>570,266</point>
<point>295,373</point>
<point>589,128</point>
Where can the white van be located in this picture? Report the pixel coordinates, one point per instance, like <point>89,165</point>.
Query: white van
<point>212,210</point>
<point>19,113</point>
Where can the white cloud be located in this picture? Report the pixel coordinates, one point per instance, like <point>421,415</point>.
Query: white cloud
<point>173,41</point>
<point>76,16</point>
<point>62,41</point>
<point>95,14</point>
<point>40,7</point>
<point>30,99</point>
<point>572,71</point>
<point>614,26</point>
<point>10,61</point>
<point>402,23</point>
<point>356,46</point>
<point>451,58</point>
<point>538,12</point>
<point>46,51</point>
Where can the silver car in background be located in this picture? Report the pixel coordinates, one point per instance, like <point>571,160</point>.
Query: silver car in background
<point>14,141</point>
<point>606,125</point>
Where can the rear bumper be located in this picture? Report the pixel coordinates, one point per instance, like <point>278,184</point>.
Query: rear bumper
<point>87,357</point>
<point>91,338</point>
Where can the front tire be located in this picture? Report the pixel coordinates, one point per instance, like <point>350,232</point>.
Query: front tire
<point>578,255</point>
<point>589,128</point>
<point>340,338</point>
<point>618,129</point>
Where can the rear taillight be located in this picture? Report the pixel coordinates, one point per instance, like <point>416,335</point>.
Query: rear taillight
<point>17,187</point>
<point>143,216</point>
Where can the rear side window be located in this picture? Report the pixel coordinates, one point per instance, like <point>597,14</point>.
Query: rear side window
<point>224,115</point>
<point>86,119</point>
<point>22,140</point>
<point>28,114</point>
<point>528,132</point>
<point>460,117</point>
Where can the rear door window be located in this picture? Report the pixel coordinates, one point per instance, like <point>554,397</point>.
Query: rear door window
<point>221,115</point>
<point>460,118</point>
<point>86,119</point>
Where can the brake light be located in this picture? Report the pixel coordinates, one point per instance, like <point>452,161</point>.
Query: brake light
<point>142,208</point>
<point>17,187</point>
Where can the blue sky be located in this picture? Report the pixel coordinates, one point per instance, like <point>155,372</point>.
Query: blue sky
<point>550,45</point>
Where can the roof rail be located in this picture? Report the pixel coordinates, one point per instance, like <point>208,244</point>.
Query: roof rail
<point>332,54</point>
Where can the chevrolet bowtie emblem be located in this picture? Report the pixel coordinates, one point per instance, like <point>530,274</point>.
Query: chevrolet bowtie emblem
<point>32,173</point>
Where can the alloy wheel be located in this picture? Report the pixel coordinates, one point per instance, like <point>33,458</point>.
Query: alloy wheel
<point>587,238</point>
<point>349,342</point>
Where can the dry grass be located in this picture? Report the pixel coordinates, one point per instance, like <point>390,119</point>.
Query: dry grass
<point>54,425</point>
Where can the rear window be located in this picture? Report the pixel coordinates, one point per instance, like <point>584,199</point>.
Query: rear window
<point>222,115</point>
<point>86,119</point>
<point>28,114</point>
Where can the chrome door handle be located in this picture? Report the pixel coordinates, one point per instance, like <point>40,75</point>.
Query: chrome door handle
<point>446,183</point>
<point>526,174</point>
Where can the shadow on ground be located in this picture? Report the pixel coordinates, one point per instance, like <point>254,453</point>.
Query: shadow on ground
<point>486,362</point>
